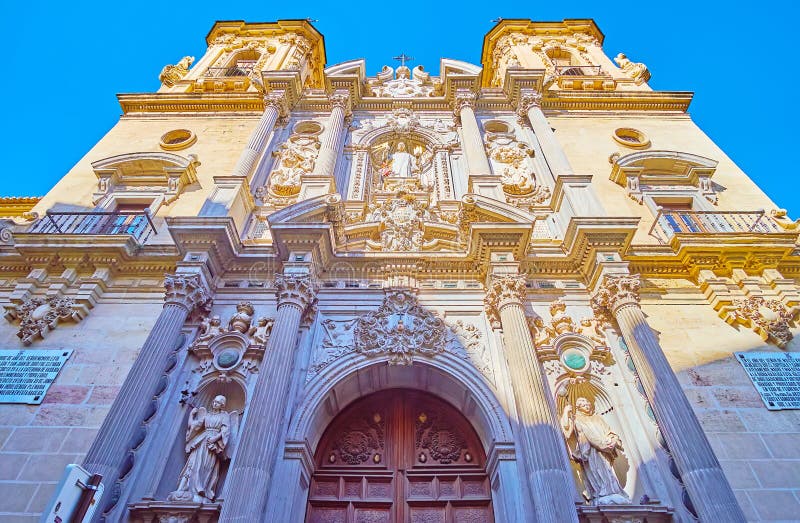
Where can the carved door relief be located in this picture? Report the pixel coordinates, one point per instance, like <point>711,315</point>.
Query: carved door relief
<point>399,456</point>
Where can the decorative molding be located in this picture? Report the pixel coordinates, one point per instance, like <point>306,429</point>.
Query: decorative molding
<point>769,318</point>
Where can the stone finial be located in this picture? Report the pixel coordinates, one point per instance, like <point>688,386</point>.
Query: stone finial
<point>186,290</point>
<point>616,292</point>
<point>295,290</point>
<point>504,291</point>
<point>172,74</point>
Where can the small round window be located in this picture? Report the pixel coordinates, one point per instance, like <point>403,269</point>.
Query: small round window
<point>631,137</point>
<point>177,139</point>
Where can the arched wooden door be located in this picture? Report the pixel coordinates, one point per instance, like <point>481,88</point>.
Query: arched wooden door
<point>400,456</point>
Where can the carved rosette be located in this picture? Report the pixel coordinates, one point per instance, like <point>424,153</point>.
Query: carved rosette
<point>505,291</point>
<point>187,291</point>
<point>297,291</point>
<point>443,442</point>
<point>616,292</point>
<point>38,316</point>
<point>769,318</point>
<point>400,329</point>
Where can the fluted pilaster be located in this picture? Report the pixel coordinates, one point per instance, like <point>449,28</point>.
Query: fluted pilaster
<point>542,445</point>
<point>248,481</point>
<point>275,107</point>
<point>333,139</point>
<point>111,453</point>
<point>530,106</point>
<point>477,162</point>
<point>699,468</point>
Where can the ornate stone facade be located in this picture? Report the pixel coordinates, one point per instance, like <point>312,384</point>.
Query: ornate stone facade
<point>403,279</point>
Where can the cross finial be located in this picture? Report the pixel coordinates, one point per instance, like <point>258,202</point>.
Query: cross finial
<point>402,58</point>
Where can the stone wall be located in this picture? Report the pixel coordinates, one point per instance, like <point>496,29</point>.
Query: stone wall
<point>759,449</point>
<point>38,441</point>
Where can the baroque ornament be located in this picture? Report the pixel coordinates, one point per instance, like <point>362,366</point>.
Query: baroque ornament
<point>638,72</point>
<point>616,292</point>
<point>510,159</point>
<point>406,84</point>
<point>401,223</point>
<point>443,442</point>
<point>296,157</point>
<point>172,74</point>
<point>502,292</point>
<point>769,318</point>
<point>38,316</point>
<point>400,329</point>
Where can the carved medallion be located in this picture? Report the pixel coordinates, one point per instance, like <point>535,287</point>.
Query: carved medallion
<point>443,442</point>
<point>400,328</point>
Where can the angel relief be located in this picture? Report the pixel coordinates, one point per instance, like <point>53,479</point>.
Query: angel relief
<point>209,442</point>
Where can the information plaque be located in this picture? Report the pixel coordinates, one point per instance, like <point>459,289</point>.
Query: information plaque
<point>776,376</point>
<point>25,375</point>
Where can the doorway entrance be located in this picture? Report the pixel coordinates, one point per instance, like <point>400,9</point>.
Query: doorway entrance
<point>399,455</point>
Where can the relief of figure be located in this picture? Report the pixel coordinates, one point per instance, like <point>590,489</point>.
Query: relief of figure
<point>207,439</point>
<point>594,446</point>
<point>261,331</point>
<point>210,328</point>
<point>241,320</point>
<point>403,163</point>
<point>593,329</point>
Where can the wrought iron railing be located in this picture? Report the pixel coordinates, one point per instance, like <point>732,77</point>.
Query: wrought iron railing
<point>670,223</point>
<point>578,70</point>
<point>232,71</point>
<point>137,224</point>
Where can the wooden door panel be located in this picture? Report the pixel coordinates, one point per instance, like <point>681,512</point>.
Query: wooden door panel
<point>399,456</point>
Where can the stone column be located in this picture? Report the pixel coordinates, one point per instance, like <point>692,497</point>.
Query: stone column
<point>111,454</point>
<point>248,481</point>
<point>333,139</point>
<point>530,106</point>
<point>699,468</point>
<point>477,162</point>
<point>274,107</point>
<point>549,480</point>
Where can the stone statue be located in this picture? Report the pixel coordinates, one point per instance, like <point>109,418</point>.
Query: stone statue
<point>637,71</point>
<point>261,331</point>
<point>172,74</point>
<point>207,440</point>
<point>241,320</point>
<point>403,163</point>
<point>210,328</point>
<point>595,446</point>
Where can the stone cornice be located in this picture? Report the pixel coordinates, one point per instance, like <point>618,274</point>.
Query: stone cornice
<point>553,103</point>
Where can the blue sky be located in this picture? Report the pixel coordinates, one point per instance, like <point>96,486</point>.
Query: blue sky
<point>68,60</point>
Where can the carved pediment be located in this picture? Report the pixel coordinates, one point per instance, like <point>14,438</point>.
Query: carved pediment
<point>164,172</point>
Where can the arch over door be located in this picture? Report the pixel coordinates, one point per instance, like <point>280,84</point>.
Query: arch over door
<point>400,456</point>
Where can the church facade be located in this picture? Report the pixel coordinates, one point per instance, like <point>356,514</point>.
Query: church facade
<point>524,290</point>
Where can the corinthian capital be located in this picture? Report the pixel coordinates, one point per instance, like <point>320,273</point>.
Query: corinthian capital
<point>464,98</point>
<point>616,292</point>
<point>295,290</point>
<point>186,290</point>
<point>341,98</point>
<point>504,291</point>
<point>528,98</point>
<point>278,101</point>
